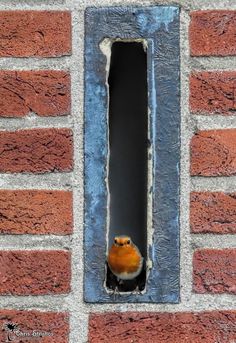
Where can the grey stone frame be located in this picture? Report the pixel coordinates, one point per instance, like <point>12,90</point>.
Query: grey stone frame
<point>159,26</point>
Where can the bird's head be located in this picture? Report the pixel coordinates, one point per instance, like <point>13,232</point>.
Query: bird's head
<point>121,241</point>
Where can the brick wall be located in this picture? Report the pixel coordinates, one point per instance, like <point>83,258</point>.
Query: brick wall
<point>32,92</point>
<point>41,181</point>
<point>212,152</point>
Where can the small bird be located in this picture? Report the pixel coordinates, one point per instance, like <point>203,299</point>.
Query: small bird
<point>125,260</point>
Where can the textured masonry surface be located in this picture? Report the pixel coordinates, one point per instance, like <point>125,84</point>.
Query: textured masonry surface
<point>213,93</point>
<point>34,272</point>
<point>214,271</point>
<point>31,33</point>
<point>36,151</point>
<point>30,322</point>
<point>162,36</point>
<point>46,93</point>
<point>212,33</point>
<point>213,212</point>
<point>41,166</point>
<point>213,153</point>
<point>206,327</point>
<point>35,212</point>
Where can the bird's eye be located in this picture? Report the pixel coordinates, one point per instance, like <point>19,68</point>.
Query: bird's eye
<point>115,240</point>
<point>128,242</point>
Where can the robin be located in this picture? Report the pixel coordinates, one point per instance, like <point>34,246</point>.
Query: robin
<point>124,259</point>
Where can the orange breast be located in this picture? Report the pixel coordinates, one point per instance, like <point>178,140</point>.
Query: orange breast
<point>125,259</point>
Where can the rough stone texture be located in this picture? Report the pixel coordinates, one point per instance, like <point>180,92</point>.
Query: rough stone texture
<point>35,212</point>
<point>213,153</point>
<point>213,93</point>
<point>213,212</point>
<point>36,151</point>
<point>201,327</point>
<point>33,272</point>
<point>214,271</point>
<point>159,25</point>
<point>212,33</point>
<point>46,93</point>
<point>35,33</point>
<point>31,322</point>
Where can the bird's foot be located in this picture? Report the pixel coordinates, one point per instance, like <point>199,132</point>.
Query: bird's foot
<point>116,292</point>
<point>136,291</point>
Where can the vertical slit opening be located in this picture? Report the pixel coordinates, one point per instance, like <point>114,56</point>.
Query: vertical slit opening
<point>128,152</point>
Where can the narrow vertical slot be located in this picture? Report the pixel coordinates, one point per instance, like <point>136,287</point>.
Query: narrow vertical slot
<point>128,145</point>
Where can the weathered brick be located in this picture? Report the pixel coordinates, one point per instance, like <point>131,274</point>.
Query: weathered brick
<point>212,33</point>
<point>213,212</point>
<point>213,93</point>
<point>53,326</point>
<point>150,327</point>
<point>213,153</point>
<point>36,150</point>
<point>46,93</point>
<point>35,212</point>
<point>214,271</point>
<point>35,33</point>
<point>32,272</point>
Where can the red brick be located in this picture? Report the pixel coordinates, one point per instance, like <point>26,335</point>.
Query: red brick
<point>150,327</point>
<point>213,93</point>
<point>213,153</point>
<point>53,326</point>
<point>214,271</point>
<point>33,272</point>
<point>35,212</point>
<point>46,93</point>
<point>35,33</point>
<point>213,212</point>
<point>36,151</point>
<point>212,33</point>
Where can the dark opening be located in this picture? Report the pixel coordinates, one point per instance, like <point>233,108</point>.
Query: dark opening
<point>128,142</point>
